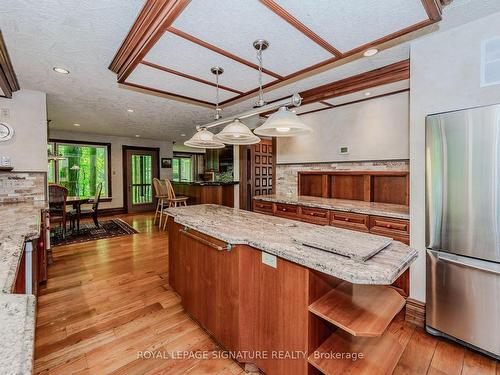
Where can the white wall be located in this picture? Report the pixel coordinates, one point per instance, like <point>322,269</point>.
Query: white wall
<point>445,75</point>
<point>116,157</point>
<point>376,129</point>
<point>28,118</point>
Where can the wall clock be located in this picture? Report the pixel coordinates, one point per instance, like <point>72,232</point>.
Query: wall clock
<point>6,132</point>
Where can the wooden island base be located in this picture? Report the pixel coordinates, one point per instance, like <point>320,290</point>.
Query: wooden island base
<point>282,317</point>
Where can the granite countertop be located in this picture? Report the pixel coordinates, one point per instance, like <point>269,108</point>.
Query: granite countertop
<point>17,332</point>
<point>19,222</point>
<point>274,235</point>
<point>396,211</point>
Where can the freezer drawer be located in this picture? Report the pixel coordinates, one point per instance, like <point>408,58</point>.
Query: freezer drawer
<point>463,299</point>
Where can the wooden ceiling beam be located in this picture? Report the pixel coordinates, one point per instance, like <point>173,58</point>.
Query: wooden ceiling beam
<point>434,8</point>
<point>388,74</point>
<point>188,76</point>
<point>167,94</point>
<point>151,23</point>
<point>281,12</point>
<point>220,51</point>
<point>8,79</point>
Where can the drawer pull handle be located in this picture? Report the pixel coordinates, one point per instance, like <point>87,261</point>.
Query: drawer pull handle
<point>312,214</point>
<point>346,219</point>
<point>388,226</point>
<point>283,209</point>
<point>185,232</point>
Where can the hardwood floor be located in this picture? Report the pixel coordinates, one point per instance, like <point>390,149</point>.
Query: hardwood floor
<point>108,302</point>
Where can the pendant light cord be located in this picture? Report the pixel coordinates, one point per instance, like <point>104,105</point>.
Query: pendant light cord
<point>217,109</point>
<point>260,102</point>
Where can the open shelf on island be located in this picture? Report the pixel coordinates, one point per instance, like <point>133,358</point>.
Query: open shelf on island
<point>361,310</point>
<point>374,355</point>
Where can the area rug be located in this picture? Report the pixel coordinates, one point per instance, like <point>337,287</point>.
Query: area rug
<point>88,232</point>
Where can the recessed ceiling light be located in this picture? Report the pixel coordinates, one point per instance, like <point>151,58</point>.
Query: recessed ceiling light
<point>76,124</point>
<point>60,70</point>
<point>183,135</point>
<point>368,93</point>
<point>370,52</point>
<point>130,110</point>
<point>137,135</point>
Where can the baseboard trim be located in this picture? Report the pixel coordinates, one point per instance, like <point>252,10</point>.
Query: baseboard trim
<point>112,211</point>
<point>415,312</point>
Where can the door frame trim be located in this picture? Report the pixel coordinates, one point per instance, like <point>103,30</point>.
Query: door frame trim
<point>125,148</point>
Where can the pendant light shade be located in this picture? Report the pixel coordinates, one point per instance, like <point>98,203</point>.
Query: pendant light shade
<point>237,133</point>
<point>283,123</point>
<point>204,139</point>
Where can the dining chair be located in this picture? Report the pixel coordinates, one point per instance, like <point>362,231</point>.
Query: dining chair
<point>173,200</point>
<point>161,197</point>
<point>57,206</point>
<point>89,212</point>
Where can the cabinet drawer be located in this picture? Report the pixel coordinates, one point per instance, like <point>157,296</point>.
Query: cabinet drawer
<point>349,220</point>
<point>287,210</point>
<point>315,215</point>
<point>263,207</point>
<point>390,227</point>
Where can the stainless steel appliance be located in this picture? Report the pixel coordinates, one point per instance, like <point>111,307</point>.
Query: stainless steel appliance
<point>463,227</point>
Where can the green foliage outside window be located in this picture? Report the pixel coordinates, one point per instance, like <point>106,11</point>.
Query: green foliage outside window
<point>81,171</point>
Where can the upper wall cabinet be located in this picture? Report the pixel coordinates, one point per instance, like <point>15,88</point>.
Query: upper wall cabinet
<point>369,186</point>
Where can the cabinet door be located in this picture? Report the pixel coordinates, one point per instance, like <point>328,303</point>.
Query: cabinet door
<point>273,311</point>
<point>207,281</point>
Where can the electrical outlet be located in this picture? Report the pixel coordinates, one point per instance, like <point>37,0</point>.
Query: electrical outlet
<point>270,260</point>
<point>344,150</point>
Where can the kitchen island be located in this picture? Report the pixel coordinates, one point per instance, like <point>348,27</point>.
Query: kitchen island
<point>246,280</point>
<point>206,192</point>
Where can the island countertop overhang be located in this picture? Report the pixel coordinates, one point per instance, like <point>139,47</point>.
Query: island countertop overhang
<point>273,235</point>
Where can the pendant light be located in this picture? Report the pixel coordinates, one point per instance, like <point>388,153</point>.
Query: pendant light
<point>203,137</point>
<point>236,132</point>
<point>283,123</point>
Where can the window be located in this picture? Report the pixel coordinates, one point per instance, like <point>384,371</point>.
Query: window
<point>81,167</point>
<point>142,173</point>
<point>182,169</point>
<point>490,62</point>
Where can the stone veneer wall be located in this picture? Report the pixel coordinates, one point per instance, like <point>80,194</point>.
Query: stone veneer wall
<point>22,186</point>
<point>286,174</point>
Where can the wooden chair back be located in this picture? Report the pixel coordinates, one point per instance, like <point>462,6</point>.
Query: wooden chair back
<point>57,201</point>
<point>95,204</point>
<point>170,189</point>
<point>160,189</point>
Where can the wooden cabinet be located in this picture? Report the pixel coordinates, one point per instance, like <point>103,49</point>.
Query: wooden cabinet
<point>263,207</point>
<point>273,311</point>
<point>288,211</point>
<point>349,220</point>
<point>318,216</point>
<point>397,228</point>
<point>205,274</point>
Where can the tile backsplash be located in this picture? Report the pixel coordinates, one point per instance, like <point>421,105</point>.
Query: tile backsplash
<point>22,186</point>
<point>286,174</point>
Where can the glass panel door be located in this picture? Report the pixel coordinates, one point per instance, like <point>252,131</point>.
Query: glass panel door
<point>142,179</point>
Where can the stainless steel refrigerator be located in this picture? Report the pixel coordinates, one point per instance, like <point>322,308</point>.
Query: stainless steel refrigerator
<point>463,227</point>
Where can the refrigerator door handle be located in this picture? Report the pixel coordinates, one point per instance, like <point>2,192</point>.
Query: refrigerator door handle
<point>446,258</point>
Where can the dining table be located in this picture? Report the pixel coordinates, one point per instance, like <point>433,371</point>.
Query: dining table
<point>76,201</point>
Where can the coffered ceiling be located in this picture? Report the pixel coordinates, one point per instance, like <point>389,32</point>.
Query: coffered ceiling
<point>186,38</point>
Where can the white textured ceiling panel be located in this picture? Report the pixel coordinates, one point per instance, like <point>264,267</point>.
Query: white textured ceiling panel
<point>160,80</point>
<point>348,24</point>
<point>179,54</point>
<point>234,25</point>
<point>374,91</point>
<point>309,107</point>
<point>383,58</point>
